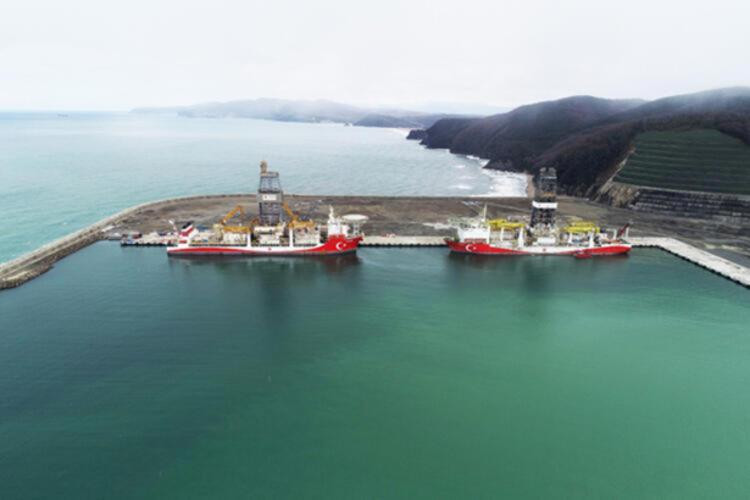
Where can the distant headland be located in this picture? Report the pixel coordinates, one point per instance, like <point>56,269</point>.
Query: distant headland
<point>308,111</point>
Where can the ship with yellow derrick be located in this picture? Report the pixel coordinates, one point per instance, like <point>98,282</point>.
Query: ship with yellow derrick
<point>277,230</point>
<point>541,236</point>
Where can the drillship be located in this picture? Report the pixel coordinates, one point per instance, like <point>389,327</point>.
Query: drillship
<point>541,236</point>
<point>276,231</point>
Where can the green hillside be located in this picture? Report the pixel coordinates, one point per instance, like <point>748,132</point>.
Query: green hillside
<point>694,160</point>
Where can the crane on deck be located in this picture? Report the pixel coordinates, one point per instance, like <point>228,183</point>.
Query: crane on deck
<point>294,221</point>
<point>226,227</point>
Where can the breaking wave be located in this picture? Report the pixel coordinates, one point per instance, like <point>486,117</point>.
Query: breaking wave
<point>505,184</point>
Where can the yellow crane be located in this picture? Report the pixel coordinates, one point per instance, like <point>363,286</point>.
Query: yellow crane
<point>580,227</point>
<point>226,227</point>
<point>505,224</point>
<point>294,221</point>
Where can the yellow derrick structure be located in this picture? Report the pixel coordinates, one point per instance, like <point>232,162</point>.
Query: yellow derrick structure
<point>581,227</point>
<point>498,224</point>
<point>228,228</point>
<point>294,221</point>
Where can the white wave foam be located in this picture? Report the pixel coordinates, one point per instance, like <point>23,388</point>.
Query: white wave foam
<point>463,187</point>
<point>400,131</point>
<point>481,161</point>
<point>506,184</point>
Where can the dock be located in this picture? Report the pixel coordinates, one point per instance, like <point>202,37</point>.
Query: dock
<point>425,226</point>
<point>402,241</point>
<point>718,265</point>
<point>392,240</point>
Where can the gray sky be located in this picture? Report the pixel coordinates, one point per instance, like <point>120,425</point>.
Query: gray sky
<point>76,54</point>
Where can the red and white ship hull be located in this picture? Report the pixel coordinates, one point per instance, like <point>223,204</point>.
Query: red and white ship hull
<point>483,248</point>
<point>335,245</point>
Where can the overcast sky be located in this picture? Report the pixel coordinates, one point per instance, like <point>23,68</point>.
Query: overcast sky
<point>76,54</point>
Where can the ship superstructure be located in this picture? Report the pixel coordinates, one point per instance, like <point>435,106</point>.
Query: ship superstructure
<point>541,235</point>
<point>277,230</point>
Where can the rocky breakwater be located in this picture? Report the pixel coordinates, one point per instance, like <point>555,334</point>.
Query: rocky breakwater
<point>28,266</point>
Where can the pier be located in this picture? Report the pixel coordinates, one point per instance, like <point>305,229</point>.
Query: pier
<point>718,265</point>
<point>402,241</point>
<point>393,222</point>
<point>702,258</point>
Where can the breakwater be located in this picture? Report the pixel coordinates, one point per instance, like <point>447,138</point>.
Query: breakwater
<point>719,265</point>
<point>30,265</point>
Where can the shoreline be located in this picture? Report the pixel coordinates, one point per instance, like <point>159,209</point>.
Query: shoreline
<point>400,218</point>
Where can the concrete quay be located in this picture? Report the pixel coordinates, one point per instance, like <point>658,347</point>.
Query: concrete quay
<point>402,241</point>
<point>405,222</point>
<point>702,258</point>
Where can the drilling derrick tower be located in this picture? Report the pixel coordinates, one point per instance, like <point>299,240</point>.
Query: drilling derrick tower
<point>544,205</point>
<point>270,196</point>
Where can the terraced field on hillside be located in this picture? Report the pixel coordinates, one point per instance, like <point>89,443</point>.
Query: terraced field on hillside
<point>695,160</point>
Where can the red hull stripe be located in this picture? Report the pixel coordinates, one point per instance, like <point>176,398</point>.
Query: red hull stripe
<point>336,245</point>
<point>487,249</point>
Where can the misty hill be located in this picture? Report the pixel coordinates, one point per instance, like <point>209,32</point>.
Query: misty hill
<point>584,137</point>
<point>514,139</point>
<point>587,158</point>
<point>311,111</point>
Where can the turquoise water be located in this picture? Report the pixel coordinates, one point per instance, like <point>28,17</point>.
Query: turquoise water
<point>393,374</point>
<point>59,174</point>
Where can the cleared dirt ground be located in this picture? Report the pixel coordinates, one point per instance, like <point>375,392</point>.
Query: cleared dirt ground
<point>423,216</point>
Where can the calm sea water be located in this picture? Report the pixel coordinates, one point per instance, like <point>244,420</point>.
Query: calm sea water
<point>61,173</point>
<point>394,374</point>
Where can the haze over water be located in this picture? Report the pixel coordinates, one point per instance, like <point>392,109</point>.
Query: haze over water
<point>61,173</point>
<point>392,374</point>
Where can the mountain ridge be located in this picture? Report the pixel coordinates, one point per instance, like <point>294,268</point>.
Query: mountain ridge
<point>584,137</point>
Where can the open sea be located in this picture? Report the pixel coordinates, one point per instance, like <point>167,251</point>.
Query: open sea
<point>59,174</point>
<point>396,373</point>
